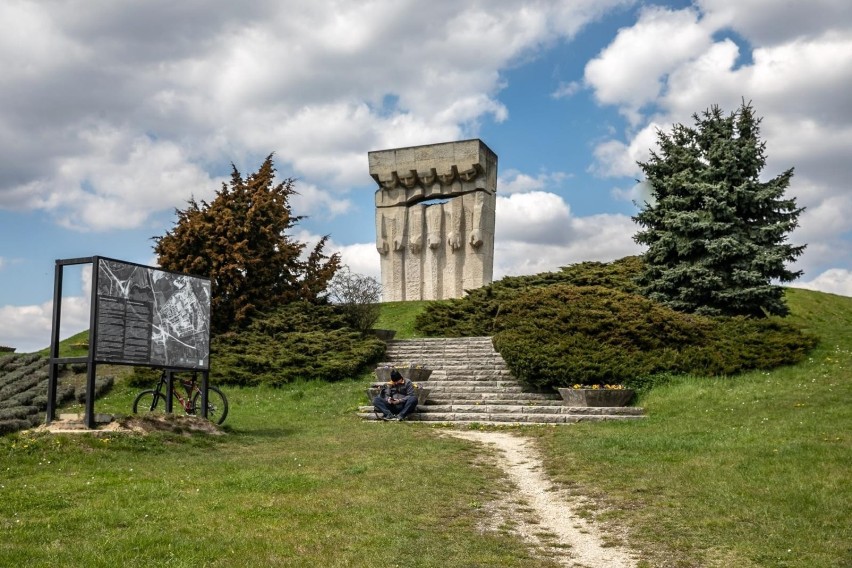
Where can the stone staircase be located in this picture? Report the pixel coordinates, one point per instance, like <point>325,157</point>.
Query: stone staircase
<point>470,383</point>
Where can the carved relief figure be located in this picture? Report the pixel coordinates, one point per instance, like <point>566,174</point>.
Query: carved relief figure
<point>435,211</point>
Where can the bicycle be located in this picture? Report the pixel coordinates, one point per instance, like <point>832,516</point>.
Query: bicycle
<point>155,400</point>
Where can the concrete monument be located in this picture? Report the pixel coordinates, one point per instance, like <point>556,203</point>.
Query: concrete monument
<point>435,210</point>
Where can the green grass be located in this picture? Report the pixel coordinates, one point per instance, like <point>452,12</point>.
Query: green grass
<point>75,346</point>
<point>399,316</point>
<point>298,480</point>
<point>746,471</point>
<point>751,470</point>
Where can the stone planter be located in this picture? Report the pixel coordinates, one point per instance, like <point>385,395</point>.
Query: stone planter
<point>413,374</point>
<point>383,374</point>
<point>595,397</point>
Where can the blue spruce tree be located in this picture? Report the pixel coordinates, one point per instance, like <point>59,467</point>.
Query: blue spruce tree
<point>716,234</point>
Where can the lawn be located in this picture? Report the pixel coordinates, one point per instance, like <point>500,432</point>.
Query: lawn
<point>752,470</point>
<point>740,471</point>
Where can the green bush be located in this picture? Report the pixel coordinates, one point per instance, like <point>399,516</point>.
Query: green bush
<point>586,324</point>
<point>476,313</point>
<point>563,335</point>
<point>297,341</point>
<point>16,424</point>
<point>144,377</point>
<point>102,386</point>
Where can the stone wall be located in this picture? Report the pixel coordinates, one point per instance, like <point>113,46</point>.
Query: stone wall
<point>435,212</point>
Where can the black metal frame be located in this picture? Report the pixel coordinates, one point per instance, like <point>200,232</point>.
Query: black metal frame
<point>90,360</point>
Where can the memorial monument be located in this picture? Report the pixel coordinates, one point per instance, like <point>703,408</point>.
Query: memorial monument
<point>435,211</point>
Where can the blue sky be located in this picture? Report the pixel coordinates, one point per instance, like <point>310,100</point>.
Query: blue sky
<point>112,114</point>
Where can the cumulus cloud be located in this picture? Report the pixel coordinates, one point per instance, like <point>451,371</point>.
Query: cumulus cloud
<point>28,328</point>
<point>536,232</point>
<point>770,21</point>
<point>111,115</point>
<point>361,258</point>
<point>630,72</point>
<point>514,181</point>
<point>834,281</point>
<point>792,75</point>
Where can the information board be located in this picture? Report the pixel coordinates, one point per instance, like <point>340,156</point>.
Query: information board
<point>148,316</point>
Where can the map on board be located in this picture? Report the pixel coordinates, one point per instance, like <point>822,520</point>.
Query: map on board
<point>147,316</point>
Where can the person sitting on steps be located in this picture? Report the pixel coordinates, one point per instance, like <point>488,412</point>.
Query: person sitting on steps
<point>397,399</point>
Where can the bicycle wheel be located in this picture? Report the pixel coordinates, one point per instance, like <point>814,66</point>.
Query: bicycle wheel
<point>217,405</point>
<point>149,401</point>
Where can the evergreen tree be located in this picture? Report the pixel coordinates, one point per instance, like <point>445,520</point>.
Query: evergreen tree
<point>240,242</point>
<point>716,234</point>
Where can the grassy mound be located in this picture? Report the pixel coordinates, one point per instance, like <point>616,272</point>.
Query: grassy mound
<point>584,325</point>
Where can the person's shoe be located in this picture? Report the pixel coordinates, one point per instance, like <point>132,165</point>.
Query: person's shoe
<point>394,418</point>
<point>387,418</point>
<point>401,418</point>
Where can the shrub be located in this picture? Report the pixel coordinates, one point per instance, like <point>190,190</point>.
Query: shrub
<point>297,341</point>
<point>16,424</point>
<point>102,386</point>
<point>474,315</point>
<point>562,335</point>
<point>357,296</point>
<point>586,324</point>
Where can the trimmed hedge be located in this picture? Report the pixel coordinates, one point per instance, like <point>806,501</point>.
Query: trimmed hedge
<point>475,314</point>
<point>563,335</point>
<point>23,392</point>
<point>102,386</point>
<point>585,325</point>
<point>297,341</point>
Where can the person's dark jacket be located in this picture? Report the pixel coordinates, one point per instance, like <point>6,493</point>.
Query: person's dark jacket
<point>397,391</point>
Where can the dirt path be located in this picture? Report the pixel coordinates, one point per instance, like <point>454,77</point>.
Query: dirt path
<point>541,514</point>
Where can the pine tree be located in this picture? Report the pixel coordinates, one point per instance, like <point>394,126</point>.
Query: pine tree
<point>716,234</point>
<point>240,242</point>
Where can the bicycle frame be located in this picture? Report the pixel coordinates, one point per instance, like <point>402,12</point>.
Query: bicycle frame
<point>201,400</point>
<point>191,386</point>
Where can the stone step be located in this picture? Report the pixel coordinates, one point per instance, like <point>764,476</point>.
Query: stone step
<point>460,369</point>
<point>470,382</point>
<point>521,409</point>
<point>483,384</point>
<point>525,396</point>
<point>503,419</point>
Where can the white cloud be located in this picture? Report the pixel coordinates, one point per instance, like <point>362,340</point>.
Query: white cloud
<point>566,89</point>
<point>116,113</point>
<point>118,185</point>
<point>598,237</point>
<point>535,218</point>
<point>793,76</point>
<point>630,72</point>
<point>514,181</point>
<point>311,200</point>
<point>833,281</point>
<point>536,232</point>
<point>28,328</point>
<point>361,258</point>
<point>774,21</point>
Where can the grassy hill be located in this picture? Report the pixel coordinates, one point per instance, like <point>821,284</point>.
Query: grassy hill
<point>745,471</point>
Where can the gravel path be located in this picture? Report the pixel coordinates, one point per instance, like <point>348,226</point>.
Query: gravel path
<point>541,514</point>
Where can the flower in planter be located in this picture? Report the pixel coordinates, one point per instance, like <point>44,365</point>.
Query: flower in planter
<point>596,387</point>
